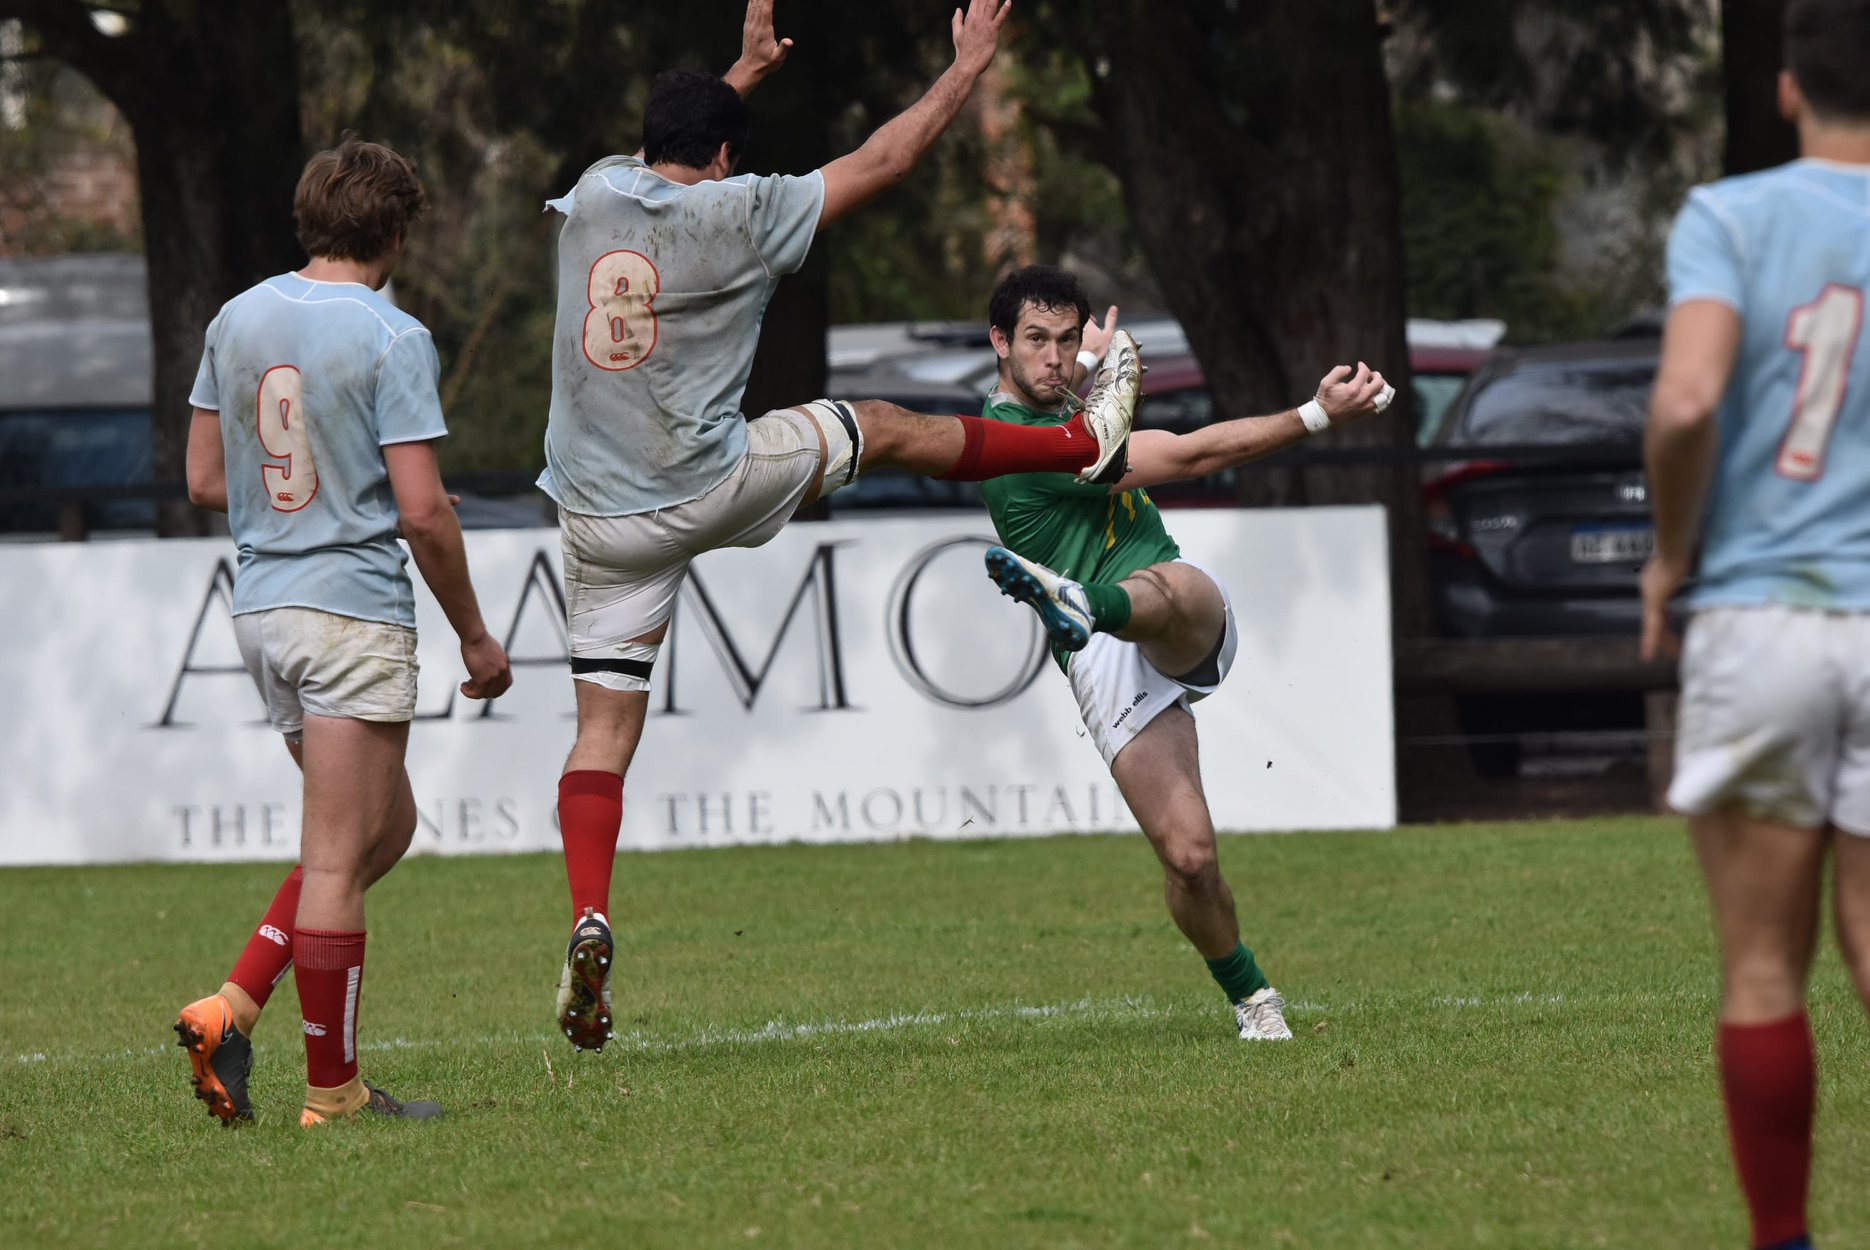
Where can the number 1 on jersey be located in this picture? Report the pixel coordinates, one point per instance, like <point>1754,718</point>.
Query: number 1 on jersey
<point>1825,331</point>
<point>285,433</point>
<point>620,330</point>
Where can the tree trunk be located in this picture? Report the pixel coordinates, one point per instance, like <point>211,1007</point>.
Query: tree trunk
<point>1258,167</point>
<point>1752,54</point>
<point>210,89</point>
<point>218,151</point>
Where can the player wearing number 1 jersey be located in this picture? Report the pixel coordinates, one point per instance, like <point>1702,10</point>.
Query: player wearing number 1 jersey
<point>1759,431</point>
<point>314,429</point>
<point>666,262</point>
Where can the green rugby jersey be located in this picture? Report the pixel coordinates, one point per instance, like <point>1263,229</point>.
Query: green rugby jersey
<point>1078,531</point>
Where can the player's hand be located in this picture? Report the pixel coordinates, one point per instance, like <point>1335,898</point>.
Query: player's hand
<point>489,675</point>
<point>761,52</point>
<point>1346,393</point>
<point>1660,580</point>
<point>977,33</point>
<point>1096,338</point>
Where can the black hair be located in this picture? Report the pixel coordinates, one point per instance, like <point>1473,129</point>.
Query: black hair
<point>1042,286</point>
<point>689,116</point>
<point>1828,51</point>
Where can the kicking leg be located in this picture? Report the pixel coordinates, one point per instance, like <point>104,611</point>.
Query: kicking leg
<point>1764,882</point>
<point>970,449</point>
<point>1159,773</point>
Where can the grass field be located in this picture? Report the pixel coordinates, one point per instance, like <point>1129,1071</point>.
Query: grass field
<point>1504,1039</point>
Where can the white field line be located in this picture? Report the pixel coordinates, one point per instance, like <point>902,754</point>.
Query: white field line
<point>782,1031</point>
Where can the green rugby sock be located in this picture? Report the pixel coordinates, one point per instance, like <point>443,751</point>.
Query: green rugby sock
<point>1110,606</point>
<point>1238,976</point>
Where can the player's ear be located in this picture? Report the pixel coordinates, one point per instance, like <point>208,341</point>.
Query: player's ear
<point>1001,347</point>
<point>1791,99</point>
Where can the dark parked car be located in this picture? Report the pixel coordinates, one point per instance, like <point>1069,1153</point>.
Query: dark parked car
<point>74,386</point>
<point>1540,527</point>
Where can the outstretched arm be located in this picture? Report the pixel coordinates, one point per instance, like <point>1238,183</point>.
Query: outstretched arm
<point>886,156</point>
<point>1158,456</point>
<point>761,52</point>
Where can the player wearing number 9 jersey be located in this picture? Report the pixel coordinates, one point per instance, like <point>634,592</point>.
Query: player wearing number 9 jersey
<point>314,427</point>
<point>1760,430</point>
<point>666,261</point>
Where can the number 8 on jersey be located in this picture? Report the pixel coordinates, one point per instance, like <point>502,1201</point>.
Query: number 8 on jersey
<point>620,329</point>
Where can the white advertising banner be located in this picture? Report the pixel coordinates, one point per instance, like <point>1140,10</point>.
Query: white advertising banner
<point>852,680</point>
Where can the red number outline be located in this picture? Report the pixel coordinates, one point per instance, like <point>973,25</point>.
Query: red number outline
<point>1805,367</point>
<point>259,429</point>
<point>649,306</point>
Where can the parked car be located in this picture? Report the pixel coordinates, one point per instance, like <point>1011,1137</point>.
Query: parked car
<point>74,387</point>
<point>1541,524</point>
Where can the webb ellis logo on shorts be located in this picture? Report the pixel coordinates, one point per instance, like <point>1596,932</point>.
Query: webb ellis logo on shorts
<point>1134,704</point>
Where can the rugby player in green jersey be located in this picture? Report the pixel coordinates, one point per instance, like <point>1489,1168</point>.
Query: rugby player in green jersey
<point>1140,631</point>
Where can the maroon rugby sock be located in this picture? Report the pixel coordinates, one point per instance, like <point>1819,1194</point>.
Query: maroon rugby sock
<point>1769,1083</point>
<point>330,974</point>
<point>269,950</point>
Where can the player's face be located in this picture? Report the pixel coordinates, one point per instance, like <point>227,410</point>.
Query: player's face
<point>1038,361</point>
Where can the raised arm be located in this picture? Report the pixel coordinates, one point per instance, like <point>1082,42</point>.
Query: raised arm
<point>1158,456</point>
<point>886,156</point>
<point>761,51</point>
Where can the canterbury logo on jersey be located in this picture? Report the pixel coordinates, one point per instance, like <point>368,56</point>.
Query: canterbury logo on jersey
<point>312,1029</point>
<point>272,934</point>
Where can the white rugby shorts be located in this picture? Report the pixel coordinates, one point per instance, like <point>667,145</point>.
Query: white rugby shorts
<point>622,573</point>
<point>1775,716</point>
<point>1119,691</point>
<point>304,660</point>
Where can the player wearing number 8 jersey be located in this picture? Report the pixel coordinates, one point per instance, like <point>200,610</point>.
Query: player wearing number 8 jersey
<point>666,263</point>
<point>1760,430</point>
<point>314,428</point>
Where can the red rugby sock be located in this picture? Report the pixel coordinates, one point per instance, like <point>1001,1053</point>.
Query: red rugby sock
<point>995,448</point>
<point>330,974</point>
<point>269,950</point>
<point>590,813</point>
<point>1769,1083</point>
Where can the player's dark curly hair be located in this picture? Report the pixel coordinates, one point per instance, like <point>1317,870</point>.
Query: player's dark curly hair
<point>353,201</point>
<point>1042,286</point>
<point>1828,50</point>
<point>689,116</point>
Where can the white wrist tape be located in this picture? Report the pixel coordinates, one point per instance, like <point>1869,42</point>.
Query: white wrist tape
<point>1313,414</point>
<point>1088,359</point>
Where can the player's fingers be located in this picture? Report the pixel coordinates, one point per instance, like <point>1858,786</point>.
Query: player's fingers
<point>1338,375</point>
<point>1110,318</point>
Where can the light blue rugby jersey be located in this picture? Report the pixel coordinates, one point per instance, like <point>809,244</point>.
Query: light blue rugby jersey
<point>311,380</point>
<point>1789,514</point>
<point>661,288</point>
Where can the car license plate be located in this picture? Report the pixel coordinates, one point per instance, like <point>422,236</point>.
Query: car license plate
<point>1611,546</point>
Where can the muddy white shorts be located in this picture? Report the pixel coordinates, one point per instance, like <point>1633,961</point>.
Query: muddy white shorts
<point>1119,692</point>
<point>304,660</point>
<point>622,573</point>
<point>1775,716</point>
